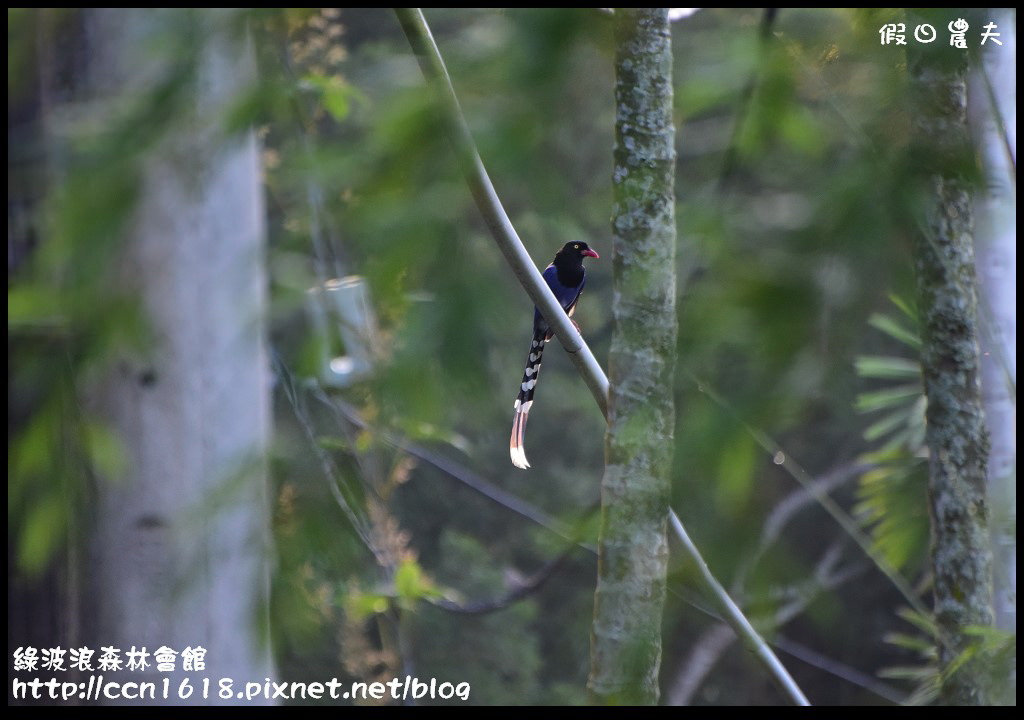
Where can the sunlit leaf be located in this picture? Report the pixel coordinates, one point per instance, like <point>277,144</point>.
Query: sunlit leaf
<point>362,605</point>
<point>410,582</point>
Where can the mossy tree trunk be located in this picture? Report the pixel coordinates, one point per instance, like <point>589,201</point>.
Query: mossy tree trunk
<point>633,554</point>
<point>947,293</point>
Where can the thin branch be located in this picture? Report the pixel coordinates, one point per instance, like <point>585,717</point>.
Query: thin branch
<point>787,508</point>
<point>454,470</point>
<point>534,583</point>
<point>798,473</point>
<point>734,616</point>
<point>713,643</point>
<point>704,654</point>
<point>840,670</point>
<point>488,490</point>
<point>460,473</point>
<point>476,482</point>
<point>429,57</point>
<point>314,192</point>
<point>330,470</point>
<point>997,116</point>
<point>729,162</point>
<point>826,577</point>
<point>804,496</point>
<point>525,509</point>
<point>813,73</point>
<point>709,648</point>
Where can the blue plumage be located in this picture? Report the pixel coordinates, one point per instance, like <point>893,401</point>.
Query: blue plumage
<point>567,295</point>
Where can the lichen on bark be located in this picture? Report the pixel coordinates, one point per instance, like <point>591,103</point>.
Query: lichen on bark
<point>633,550</point>
<point>956,435</point>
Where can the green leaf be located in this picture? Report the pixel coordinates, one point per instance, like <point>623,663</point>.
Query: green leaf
<point>335,94</point>
<point>887,424</point>
<point>735,473</point>
<point>362,605</point>
<point>960,660</point>
<point>801,130</point>
<point>366,441</point>
<point>898,442</point>
<point>422,431</point>
<point>876,366</point>
<point>894,330</point>
<point>31,452</point>
<point>106,452</point>
<point>890,397</point>
<point>260,103</point>
<point>907,673</point>
<point>331,442</point>
<point>42,533</point>
<point>33,306</point>
<point>410,584</point>
<point>925,623</point>
<point>917,643</point>
<point>892,500</point>
<point>905,307</point>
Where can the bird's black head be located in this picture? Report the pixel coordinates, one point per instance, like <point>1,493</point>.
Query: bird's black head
<point>575,252</point>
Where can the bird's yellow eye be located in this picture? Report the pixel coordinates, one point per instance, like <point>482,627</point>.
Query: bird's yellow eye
<point>577,247</point>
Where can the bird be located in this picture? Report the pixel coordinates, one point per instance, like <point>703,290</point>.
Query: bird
<point>566,277</point>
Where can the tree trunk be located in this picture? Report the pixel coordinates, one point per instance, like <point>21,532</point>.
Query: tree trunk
<point>956,437</point>
<point>633,553</point>
<point>181,543</point>
<point>993,109</point>
<point>992,105</point>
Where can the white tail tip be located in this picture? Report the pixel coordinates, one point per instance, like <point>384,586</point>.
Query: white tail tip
<point>518,458</point>
<point>516,448</point>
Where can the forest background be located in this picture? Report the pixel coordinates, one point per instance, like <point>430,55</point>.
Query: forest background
<point>332,491</point>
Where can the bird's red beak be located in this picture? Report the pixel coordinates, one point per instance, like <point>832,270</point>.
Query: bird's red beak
<point>590,253</point>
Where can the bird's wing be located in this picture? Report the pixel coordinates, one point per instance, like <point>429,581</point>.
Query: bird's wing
<point>567,295</point>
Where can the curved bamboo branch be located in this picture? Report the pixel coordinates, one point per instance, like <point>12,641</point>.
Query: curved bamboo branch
<point>737,620</point>
<point>418,33</point>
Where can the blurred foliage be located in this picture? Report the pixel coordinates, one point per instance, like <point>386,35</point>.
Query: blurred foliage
<point>796,205</point>
<point>893,493</point>
<point>998,647</point>
<point>73,183</point>
<point>925,676</point>
<point>506,670</point>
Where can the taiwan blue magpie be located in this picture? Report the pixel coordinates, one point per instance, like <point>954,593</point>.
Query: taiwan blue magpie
<point>566,277</point>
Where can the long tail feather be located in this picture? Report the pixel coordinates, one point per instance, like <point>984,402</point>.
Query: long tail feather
<point>516,444</point>
<point>516,448</point>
